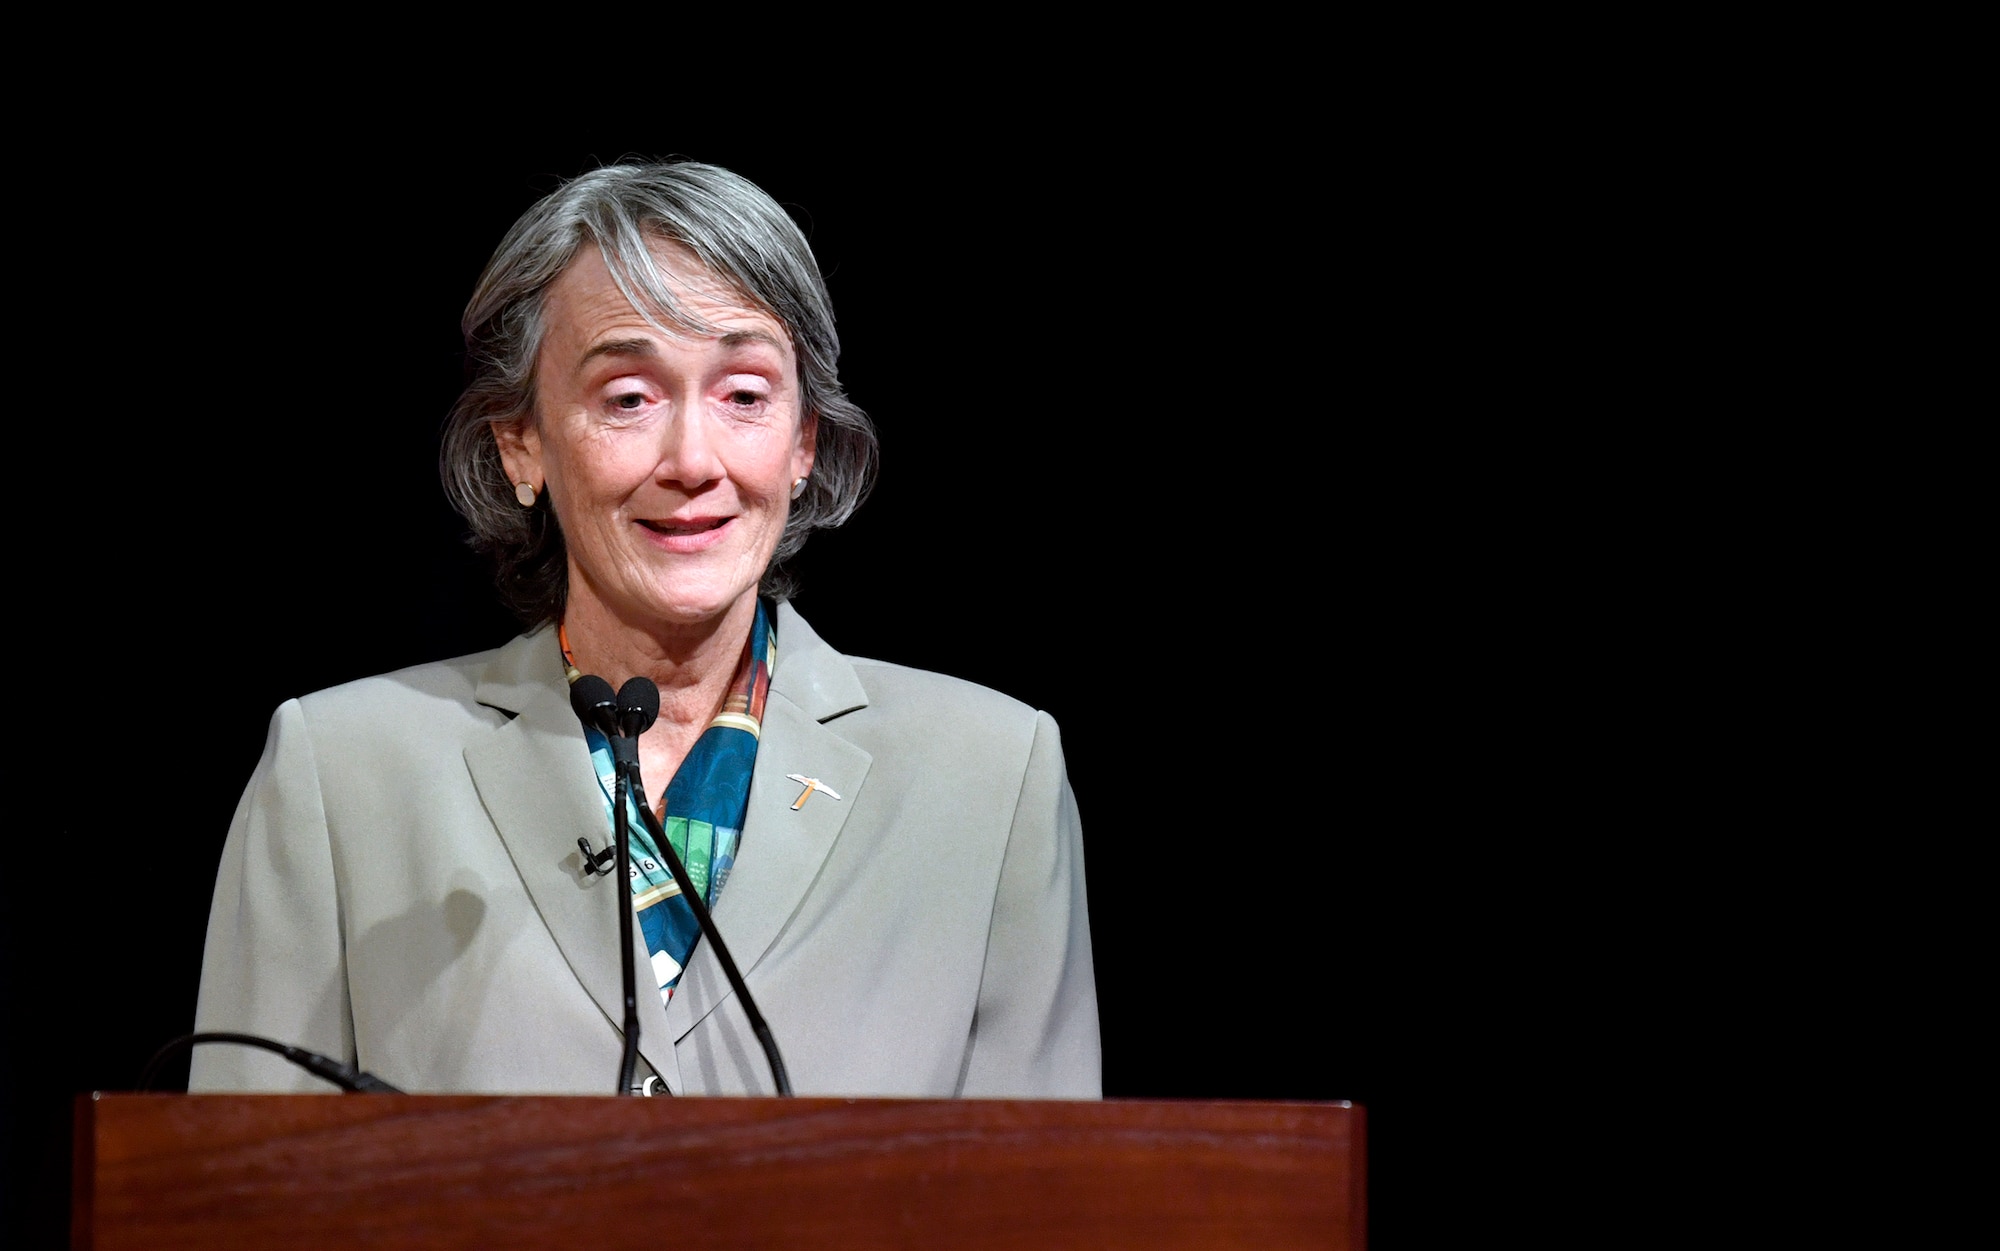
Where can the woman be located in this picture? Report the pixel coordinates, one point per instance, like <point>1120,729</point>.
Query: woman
<point>654,423</point>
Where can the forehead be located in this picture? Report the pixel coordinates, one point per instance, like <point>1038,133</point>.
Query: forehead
<point>681,299</point>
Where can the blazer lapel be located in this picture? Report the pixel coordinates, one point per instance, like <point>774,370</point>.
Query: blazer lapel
<point>535,778</point>
<point>783,847</point>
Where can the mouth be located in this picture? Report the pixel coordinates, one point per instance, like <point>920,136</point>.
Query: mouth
<point>677,528</point>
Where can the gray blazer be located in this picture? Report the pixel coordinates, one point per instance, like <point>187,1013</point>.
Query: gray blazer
<point>401,889</point>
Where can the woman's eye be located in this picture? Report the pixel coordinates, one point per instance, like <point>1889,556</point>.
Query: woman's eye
<point>628,401</point>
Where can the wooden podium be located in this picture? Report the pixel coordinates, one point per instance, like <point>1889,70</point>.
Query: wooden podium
<point>581,1173</point>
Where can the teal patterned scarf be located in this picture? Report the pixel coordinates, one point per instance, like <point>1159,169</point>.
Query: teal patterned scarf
<point>702,810</point>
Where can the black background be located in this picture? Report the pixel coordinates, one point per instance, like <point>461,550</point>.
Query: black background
<point>1171,434</point>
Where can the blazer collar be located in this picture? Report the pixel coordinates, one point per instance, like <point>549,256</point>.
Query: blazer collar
<point>783,847</point>
<point>818,680</point>
<point>534,776</point>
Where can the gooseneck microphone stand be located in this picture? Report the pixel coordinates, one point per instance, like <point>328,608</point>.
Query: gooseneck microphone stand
<point>779,1079</point>
<point>591,699</point>
<point>622,720</point>
<point>624,752</point>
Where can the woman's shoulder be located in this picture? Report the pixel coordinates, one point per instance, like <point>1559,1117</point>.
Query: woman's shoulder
<point>934,730</point>
<point>435,685</point>
<point>892,685</point>
<point>833,683</point>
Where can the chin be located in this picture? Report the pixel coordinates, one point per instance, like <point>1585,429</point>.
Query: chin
<point>684,611</point>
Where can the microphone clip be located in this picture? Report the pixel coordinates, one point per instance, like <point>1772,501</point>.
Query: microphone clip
<point>595,862</point>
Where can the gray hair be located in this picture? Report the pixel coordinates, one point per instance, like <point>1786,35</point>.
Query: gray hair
<point>741,235</point>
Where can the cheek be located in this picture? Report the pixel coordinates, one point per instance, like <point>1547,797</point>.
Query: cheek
<point>600,469</point>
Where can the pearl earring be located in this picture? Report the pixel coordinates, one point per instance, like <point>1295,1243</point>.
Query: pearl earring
<point>798,487</point>
<point>525,492</point>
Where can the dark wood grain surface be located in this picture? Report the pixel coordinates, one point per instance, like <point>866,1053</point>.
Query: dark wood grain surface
<point>171,1171</point>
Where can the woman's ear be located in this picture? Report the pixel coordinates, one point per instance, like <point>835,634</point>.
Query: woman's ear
<point>520,452</point>
<point>802,455</point>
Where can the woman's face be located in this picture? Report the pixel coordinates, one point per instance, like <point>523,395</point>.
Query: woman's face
<point>668,457</point>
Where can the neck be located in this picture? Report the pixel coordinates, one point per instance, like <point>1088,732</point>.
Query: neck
<point>691,665</point>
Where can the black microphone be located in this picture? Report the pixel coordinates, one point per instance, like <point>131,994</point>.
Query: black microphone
<point>591,698</point>
<point>638,706</point>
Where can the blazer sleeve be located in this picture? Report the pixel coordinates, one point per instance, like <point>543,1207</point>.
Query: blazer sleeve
<point>1035,1031</point>
<point>273,965</point>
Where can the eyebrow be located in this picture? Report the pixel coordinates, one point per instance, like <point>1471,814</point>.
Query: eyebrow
<point>645,347</point>
<point>618,347</point>
<point>740,338</point>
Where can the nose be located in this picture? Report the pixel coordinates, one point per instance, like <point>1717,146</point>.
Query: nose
<point>687,451</point>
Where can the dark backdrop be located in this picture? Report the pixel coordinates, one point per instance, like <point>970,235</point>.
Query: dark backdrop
<point>1158,443</point>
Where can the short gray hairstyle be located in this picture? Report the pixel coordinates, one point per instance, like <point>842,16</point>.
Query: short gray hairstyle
<point>744,238</point>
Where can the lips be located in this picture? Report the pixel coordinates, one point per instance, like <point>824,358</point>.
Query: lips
<point>685,527</point>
